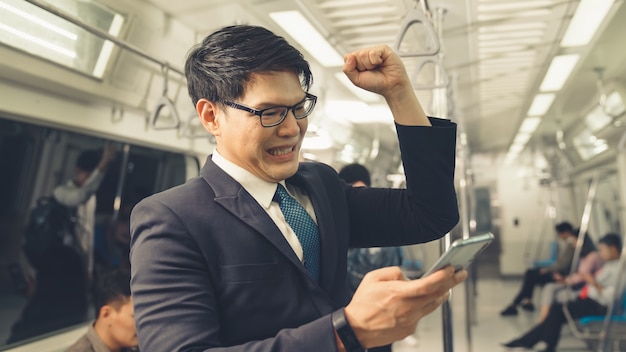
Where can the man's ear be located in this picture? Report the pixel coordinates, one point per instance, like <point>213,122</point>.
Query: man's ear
<point>105,311</point>
<point>207,111</point>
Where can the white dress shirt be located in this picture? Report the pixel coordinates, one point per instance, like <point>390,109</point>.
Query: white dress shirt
<point>263,192</point>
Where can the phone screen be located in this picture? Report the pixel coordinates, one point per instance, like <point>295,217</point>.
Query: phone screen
<point>462,252</point>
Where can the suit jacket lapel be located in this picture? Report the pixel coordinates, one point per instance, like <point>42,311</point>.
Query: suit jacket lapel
<point>233,197</point>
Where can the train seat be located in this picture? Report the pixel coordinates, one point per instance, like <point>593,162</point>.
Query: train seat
<point>554,253</point>
<point>593,325</point>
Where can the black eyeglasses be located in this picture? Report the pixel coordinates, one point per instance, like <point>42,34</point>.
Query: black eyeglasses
<point>275,115</point>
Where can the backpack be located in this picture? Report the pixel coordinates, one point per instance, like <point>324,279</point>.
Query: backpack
<point>50,225</point>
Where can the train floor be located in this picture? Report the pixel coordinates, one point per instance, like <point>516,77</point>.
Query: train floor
<point>490,329</point>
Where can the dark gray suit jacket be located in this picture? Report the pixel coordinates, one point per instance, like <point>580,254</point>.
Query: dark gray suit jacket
<point>211,271</point>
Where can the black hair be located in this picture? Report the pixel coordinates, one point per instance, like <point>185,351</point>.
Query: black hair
<point>88,160</point>
<point>612,240</point>
<point>112,288</point>
<point>353,173</point>
<point>565,227</point>
<point>219,68</point>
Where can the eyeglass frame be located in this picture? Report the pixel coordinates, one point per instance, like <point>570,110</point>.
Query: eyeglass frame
<point>259,113</point>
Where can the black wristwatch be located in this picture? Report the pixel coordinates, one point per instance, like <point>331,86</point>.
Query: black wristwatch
<point>345,332</point>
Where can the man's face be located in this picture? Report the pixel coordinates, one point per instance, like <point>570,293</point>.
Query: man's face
<point>81,177</point>
<point>607,253</point>
<point>270,153</point>
<point>563,236</point>
<point>122,321</point>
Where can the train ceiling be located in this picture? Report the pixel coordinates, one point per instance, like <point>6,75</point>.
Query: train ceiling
<point>495,52</point>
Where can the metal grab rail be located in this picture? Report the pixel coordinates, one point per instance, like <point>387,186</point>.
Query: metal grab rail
<point>164,102</point>
<point>584,222</point>
<point>417,16</point>
<point>100,33</point>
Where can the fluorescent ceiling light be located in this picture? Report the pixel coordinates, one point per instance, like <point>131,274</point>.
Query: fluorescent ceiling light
<point>541,104</point>
<point>510,35</point>
<point>38,21</point>
<point>359,92</point>
<point>512,27</point>
<point>558,72</point>
<point>530,124</point>
<point>583,26</point>
<point>302,31</point>
<point>38,41</point>
<point>513,5</point>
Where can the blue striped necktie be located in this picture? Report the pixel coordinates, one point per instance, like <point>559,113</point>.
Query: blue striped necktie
<point>305,228</point>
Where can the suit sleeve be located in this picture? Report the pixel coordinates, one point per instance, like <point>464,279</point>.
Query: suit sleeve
<point>424,211</point>
<point>175,300</point>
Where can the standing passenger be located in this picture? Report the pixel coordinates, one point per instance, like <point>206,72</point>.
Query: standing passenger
<point>251,255</point>
<point>80,192</point>
<point>363,260</point>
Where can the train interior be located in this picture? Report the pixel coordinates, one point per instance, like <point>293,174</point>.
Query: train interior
<point>537,88</point>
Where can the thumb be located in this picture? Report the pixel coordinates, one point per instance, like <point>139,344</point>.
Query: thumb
<point>349,68</point>
<point>385,274</point>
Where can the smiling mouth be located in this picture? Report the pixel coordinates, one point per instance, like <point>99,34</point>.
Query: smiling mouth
<point>281,150</point>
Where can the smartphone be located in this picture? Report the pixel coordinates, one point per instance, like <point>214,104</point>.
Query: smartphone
<point>461,253</point>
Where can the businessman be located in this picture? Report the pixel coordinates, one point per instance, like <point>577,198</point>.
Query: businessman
<point>251,255</point>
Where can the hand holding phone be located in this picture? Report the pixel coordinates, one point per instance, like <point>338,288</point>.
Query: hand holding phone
<point>461,253</point>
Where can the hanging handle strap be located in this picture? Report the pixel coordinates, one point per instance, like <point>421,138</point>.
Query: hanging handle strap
<point>416,16</point>
<point>443,78</point>
<point>164,102</point>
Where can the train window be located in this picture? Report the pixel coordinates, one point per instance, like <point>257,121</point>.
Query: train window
<point>597,119</point>
<point>614,104</point>
<point>587,145</point>
<point>38,32</point>
<point>43,294</point>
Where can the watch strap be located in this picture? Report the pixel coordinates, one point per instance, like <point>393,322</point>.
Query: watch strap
<point>345,332</point>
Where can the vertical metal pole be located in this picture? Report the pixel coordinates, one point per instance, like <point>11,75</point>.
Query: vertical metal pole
<point>621,176</point>
<point>117,203</point>
<point>446,310</point>
<point>441,107</point>
<point>584,222</point>
<point>465,226</point>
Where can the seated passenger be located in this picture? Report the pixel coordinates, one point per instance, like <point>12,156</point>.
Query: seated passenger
<point>592,300</point>
<point>114,328</point>
<point>542,276</point>
<point>565,289</point>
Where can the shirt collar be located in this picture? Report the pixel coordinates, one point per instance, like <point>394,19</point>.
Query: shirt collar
<point>261,190</point>
<point>97,343</point>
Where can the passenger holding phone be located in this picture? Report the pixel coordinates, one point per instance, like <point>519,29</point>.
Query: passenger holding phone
<point>251,255</point>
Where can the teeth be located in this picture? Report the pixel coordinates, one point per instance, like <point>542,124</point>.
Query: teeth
<point>281,151</point>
